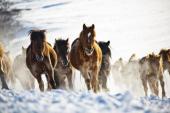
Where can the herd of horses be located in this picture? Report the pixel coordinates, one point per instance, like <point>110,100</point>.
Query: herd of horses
<point>86,54</point>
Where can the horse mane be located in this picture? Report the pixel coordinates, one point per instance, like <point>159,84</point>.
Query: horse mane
<point>164,53</point>
<point>33,33</point>
<point>59,41</point>
<point>74,42</point>
<point>1,50</point>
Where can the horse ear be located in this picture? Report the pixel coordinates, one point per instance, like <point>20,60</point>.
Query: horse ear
<point>55,40</point>
<point>93,26</point>
<point>84,26</point>
<point>30,32</point>
<point>43,30</point>
<point>108,43</point>
<point>67,39</point>
<point>23,48</point>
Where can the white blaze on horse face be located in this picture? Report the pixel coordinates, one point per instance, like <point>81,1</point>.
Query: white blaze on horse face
<point>89,34</point>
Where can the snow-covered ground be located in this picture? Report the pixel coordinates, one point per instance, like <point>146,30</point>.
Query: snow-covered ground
<point>132,26</point>
<point>59,101</point>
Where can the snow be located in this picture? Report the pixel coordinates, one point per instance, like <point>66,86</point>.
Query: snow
<point>58,101</point>
<point>132,26</point>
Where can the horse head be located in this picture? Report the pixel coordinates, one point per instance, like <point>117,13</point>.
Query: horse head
<point>38,42</point>
<point>61,47</point>
<point>105,47</point>
<point>87,39</point>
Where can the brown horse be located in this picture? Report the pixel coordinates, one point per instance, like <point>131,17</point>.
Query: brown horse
<point>63,68</point>
<point>6,72</point>
<point>86,56</point>
<point>165,54</point>
<point>41,58</point>
<point>151,70</point>
<point>21,72</point>
<point>106,64</point>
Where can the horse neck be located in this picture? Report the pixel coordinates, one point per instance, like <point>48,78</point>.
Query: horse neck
<point>106,56</point>
<point>46,48</point>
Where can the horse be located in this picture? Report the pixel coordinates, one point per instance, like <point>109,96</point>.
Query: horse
<point>106,64</point>
<point>63,69</point>
<point>131,67</point>
<point>41,58</point>
<point>21,72</point>
<point>151,71</point>
<point>116,70</point>
<point>165,54</point>
<point>86,56</point>
<point>6,72</point>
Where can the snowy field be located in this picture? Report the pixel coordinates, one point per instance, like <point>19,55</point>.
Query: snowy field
<point>59,101</point>
<point>132,26</point>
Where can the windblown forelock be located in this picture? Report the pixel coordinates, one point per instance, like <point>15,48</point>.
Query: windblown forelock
<point>34,34</point>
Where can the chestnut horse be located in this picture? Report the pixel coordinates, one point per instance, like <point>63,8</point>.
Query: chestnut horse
<point>41,58</point>
<point>63,68</point>
<point>86,56</point>
<point>151,71</point>
<point>106,64</point>
<point>6,72</point>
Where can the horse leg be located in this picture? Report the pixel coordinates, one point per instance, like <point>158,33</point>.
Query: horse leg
<point>162,85</point>
<point>70,81</point>
<point>104,85</point>
<point>144,83</point>
<point>32,82</point>
<point>48,82</point>
<point>153,84</point>
<point>63,83</point>
<point>87,78</point>
<point>40,82</point>
<point>95,83</point>
<point>4,84</point>
<point>56,79</point>
<point>50,78</point>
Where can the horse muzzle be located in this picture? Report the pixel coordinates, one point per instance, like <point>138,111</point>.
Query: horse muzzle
<point>39,58</point>
<point>88,52</point>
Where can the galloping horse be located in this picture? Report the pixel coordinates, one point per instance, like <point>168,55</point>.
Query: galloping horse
<point>86,56</point>
<point>63,68</point>
<point>41,58</point>
<point>22,72</point>
<point>6,72</point>
<point>151,70</point>
<point>106,64</point>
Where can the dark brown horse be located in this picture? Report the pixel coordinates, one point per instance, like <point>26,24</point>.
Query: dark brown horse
<point>6,72</point>
<point>41,58</point>
<point>151,71</point>
<point>106,64</point>
<point>86,56</point>
<point>63,68</point>
<point>165,54</point>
